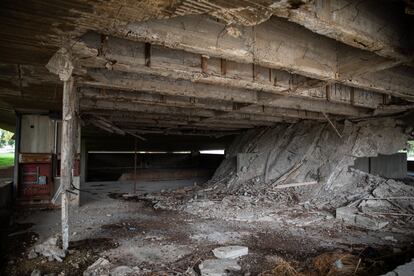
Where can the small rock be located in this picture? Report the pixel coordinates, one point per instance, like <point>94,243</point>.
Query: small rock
<point>32,255</point>
<point>191,272</point>
<point>36,272</point>
<point>339,264</point>
<point>230,252</point>
<point>218,267</point>
<point>390,238</point>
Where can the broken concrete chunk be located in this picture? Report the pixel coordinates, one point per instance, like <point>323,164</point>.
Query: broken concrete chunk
<point>36,272</point>
<point>98,268</point>
<point>370,223</point>
<point>346,214</point>
<point>218,267</point>
<point>402,270</point>
<point>121,271</point>
<point>50,249</point>
<point>32,254</point>
<point>230,252</point>
<point>349,215</point>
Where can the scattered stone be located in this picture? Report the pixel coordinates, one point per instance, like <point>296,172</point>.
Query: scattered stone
<point>36,272</point>
<point>100,267</point>
<point>32,254</point>
<point>230,252</point>
<point>191,272</point>
<point>218,267</point>
<point>390,238</point>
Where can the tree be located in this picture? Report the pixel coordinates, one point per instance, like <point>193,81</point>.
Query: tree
<point>6,138</point>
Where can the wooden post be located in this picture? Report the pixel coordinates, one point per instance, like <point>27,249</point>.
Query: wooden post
<point>61,64</point>
<point>67,153</point>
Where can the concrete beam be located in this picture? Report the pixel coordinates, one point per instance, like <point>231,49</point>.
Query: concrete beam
<point>376,26</point>
<point>400,78</point>
<point>276,43</point>
<point>155,84</point>
<point>129,56</point>
<point>88,105</point>
<point>179,101</point>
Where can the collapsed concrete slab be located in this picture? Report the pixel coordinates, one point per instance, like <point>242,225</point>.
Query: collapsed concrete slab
<point>307,152</point>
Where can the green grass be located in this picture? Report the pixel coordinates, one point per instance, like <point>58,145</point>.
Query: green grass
<point>6,159</point>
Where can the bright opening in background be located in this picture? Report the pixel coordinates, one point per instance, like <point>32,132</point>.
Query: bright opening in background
<point>6,149</point>
<point>219,151</point>
<point>410,151</point>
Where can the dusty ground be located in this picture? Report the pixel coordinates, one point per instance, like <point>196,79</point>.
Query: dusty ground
<point>130,232</point>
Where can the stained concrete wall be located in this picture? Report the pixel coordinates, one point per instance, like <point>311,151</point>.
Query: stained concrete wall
<point>37,134</point>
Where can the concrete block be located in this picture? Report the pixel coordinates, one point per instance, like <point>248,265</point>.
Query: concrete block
<point>370,223</point>
<point>362,164</point>
<point>218,267</point>
<point>389,166</point>
<point>230,252</point>
<point>346,214</point>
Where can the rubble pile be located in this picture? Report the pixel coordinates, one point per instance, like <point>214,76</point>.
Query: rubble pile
<point>261,160</point>
<point>103,266</point>
<point>306,167</point>
<point>389,201</point>
<point>49,248</point>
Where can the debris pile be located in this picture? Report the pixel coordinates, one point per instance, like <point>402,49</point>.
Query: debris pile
<point>103,266</point>
<point>307,167</point>
<point>49,249</point>
<point>308,155</point>
<point>390,201</point>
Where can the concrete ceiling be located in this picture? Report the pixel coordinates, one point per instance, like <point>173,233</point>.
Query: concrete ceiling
<point>209,67</point>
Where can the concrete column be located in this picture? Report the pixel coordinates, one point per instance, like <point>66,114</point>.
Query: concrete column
<point>61,64</point>
<point>68,149</point>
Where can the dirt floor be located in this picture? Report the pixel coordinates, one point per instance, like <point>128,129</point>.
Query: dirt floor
<point>128,231</point>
